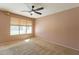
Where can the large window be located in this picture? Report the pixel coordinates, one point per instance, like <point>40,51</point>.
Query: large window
<point>20,26</point>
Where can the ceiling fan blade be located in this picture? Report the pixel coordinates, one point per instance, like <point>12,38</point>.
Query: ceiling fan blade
<point>39,9</point>
<point>38,12</point>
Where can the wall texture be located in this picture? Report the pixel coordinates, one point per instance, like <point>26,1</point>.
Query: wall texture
<point>61,28</point>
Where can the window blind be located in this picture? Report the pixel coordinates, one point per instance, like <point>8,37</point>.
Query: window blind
<point>20,21</point>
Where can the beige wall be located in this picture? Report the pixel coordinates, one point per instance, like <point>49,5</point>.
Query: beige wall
<point>61,28</point>
<point>5,28</point>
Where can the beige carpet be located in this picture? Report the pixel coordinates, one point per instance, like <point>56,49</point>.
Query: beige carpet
<point>35,47</point>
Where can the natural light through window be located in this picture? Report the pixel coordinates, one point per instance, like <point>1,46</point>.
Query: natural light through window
<point>14,30</point>
<point>23,29</point>
<point>27,40</point>
<point>29,29</point>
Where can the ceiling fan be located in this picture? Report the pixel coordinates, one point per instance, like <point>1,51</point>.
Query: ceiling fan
<point>34,10</point>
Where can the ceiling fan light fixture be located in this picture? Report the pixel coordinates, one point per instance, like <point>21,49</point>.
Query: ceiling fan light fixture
<point>31,13</point>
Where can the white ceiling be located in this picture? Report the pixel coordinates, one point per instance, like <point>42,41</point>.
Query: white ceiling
<point>49,8</point>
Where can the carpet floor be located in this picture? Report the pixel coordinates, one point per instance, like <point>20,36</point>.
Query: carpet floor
<point>35,47</point>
